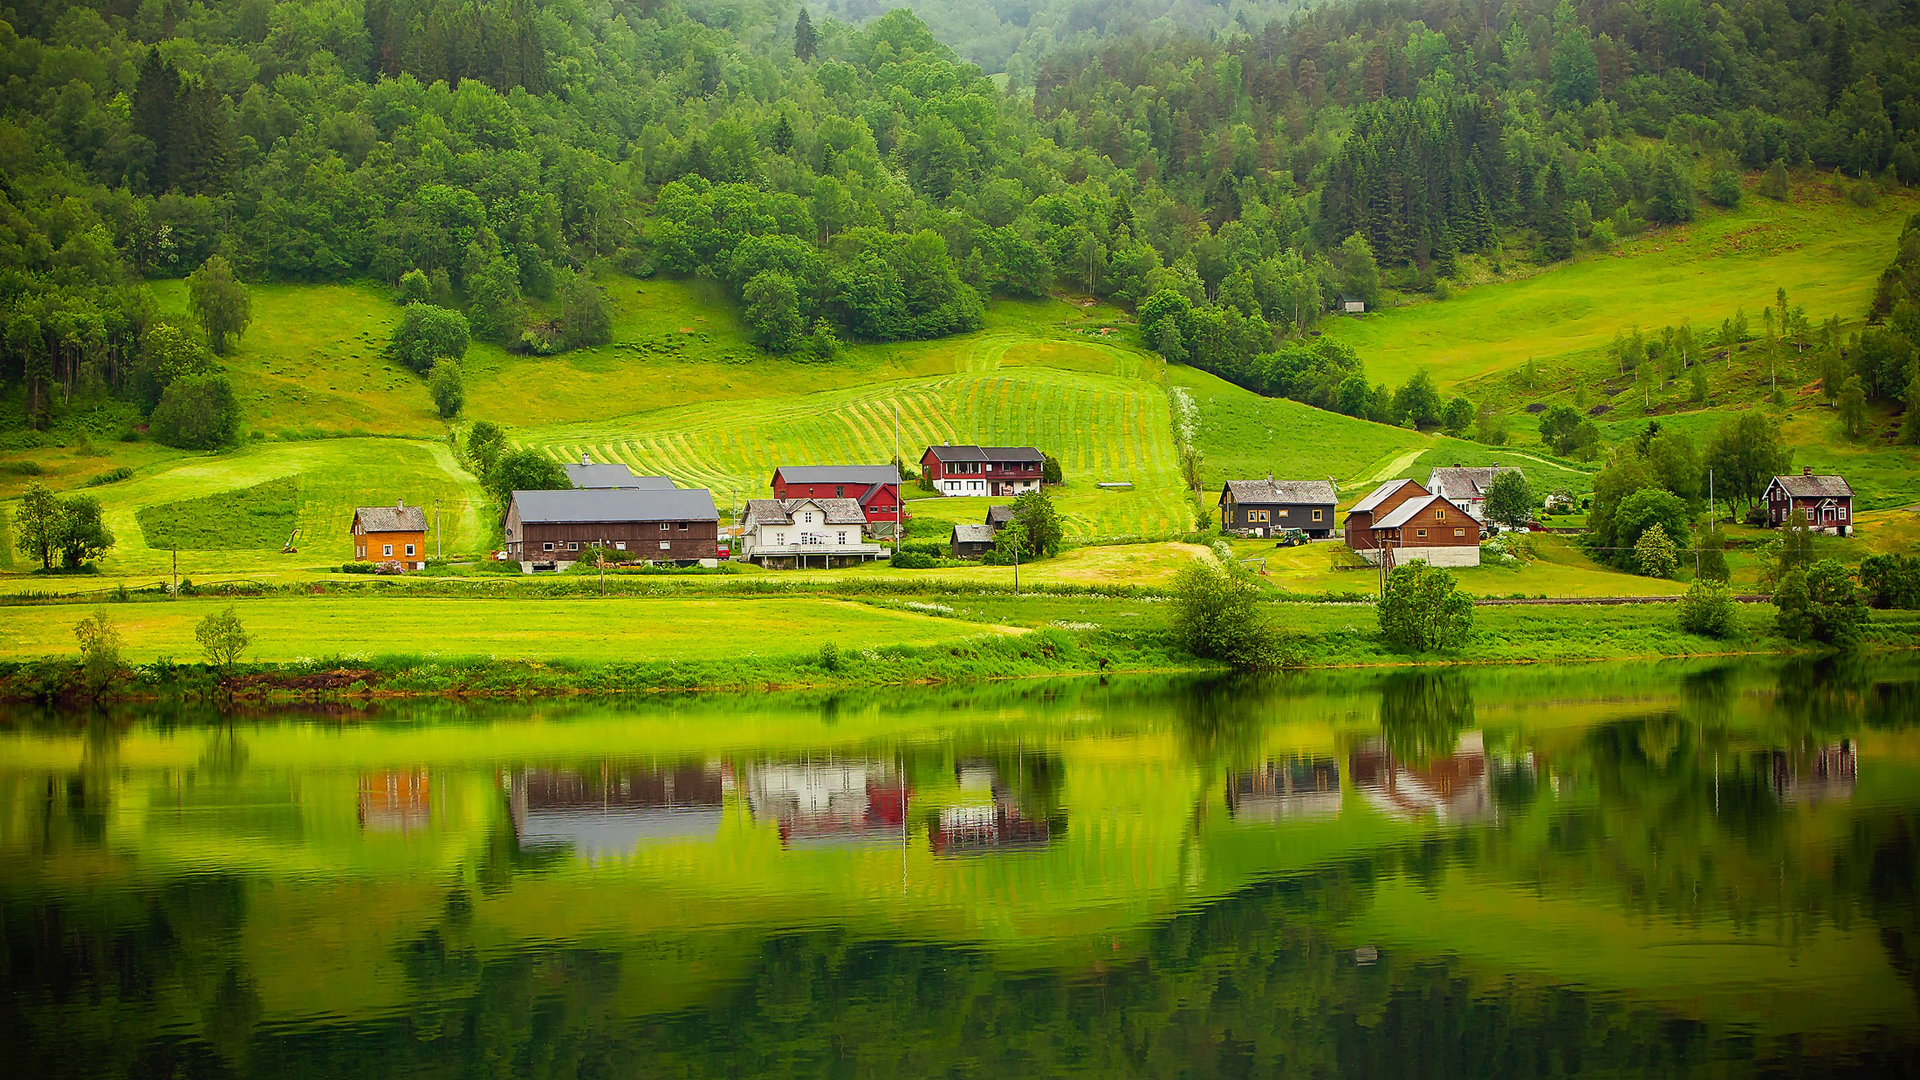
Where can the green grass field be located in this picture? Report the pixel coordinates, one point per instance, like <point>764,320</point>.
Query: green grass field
<point>601,631</point>
<point>1825,251</point>
<point>261,517</point>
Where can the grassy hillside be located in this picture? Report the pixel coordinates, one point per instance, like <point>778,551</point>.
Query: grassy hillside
<point>1824,250</point>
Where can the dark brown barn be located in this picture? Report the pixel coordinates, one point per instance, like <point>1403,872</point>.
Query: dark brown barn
<point>678,525</point>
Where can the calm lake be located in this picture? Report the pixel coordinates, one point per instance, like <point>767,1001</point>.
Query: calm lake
<point>1606,870</point>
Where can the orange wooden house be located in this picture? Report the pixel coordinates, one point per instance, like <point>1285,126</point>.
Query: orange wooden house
<point>396,533</point>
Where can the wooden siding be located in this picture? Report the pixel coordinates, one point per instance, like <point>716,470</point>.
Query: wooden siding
<point>371,547</point>
<point>1359,526</point>
<point>1439,525</point>
<point>685,539</point>
<point>1239,516</point>
<point>884,507</point>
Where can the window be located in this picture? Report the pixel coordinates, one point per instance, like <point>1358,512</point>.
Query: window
<point>1256,515</point>
<point>387,550</point>
<point>1809,513</point>
<point>1316,515</point>
<point>843,536</point>
<point>409,550</point>
<point>619,545</point>
<point>1439,515</point>
<point>573,545</point>
<point>546,547</point>
<point>360,551</point>
<point>808,518</point>
<point>683,526</point>
<point>839,491</point>
<point>1843,513</point>
<point>1459,532</point>
<point>1283,513</point>
<point>666,545</point>
<point>1422,533</point>
<point>664,526</point>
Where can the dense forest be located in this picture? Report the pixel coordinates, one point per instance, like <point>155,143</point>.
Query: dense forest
<point>858,180</point>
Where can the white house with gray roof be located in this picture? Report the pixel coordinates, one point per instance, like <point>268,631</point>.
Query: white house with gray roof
<point>792,534</point>
<point>1466,488</point>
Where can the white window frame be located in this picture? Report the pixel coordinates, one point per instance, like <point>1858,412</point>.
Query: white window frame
<point>619,545</point>
<point>666,545</point>
<point>548,546</point>
<point>409,551</point>
<point>573,545</point>
<point>386,550</point>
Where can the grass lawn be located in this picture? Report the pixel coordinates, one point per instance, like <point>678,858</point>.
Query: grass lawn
<point>616,629</point>
<point>1102,425</point>
<point>1824,250</point>
<point>1559,568</point>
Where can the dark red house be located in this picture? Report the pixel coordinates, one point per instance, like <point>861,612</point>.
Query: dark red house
<point>875,487</point>
<point>984,470</point>
<point>1823,503</point>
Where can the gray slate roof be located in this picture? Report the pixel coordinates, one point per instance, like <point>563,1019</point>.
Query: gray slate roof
<point>1378,495</point>
<point>1815,487</point>
<point>1465,483</point>
<point>986,453</point>
<point>391,518</point>
<point>614,475</point>
<point>998,516</point>
<point>1406,510</point>
<point>973,534</point>
<point>582,505</point>
<point>1283,491</point>
<point>839,474</point>
<point>780,511</point>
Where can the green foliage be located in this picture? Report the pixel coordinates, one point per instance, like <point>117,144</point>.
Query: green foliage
<point>111,476</point>
<point>773,312</point>
<point>1654,554</point>
<point>1890,581</point>
<point>584,318</point>
<point>444,383</point>
<point>1560,428</point>
<point>1819,604</point>
<point>911,560</point>
<point>166,353</point>
<point>1723,184</point>
<point>1853,408</point>
<point>219,303</point>
<point>1422,611</point>
<point>197,412</point>
<point>39,523</point>
<point>1670,190</point>
<point>1216,615</point>
<point>1774,183</point>
<point>414,288</point>
<point>1510,499</point>
<point>426,334</point>
<point>1707,609</point>
<point>222,638</point>
<point>523,470</point>
<point>1359,271</point>
<point>256,518</point>
<point>1745,455</point>
<point>100,643</point>
<point>1051,473</point>
<point>84,535</point>
<point>1711,557</point>
<point>486,442</point>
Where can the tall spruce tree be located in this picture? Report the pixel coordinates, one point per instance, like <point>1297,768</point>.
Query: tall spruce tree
<point>804,41</point>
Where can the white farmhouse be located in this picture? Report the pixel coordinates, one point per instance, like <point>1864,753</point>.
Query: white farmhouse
<point>799,533</point>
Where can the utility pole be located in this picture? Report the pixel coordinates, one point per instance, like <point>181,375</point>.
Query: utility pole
<point>437,553</point>
<point>601,550</point>
<point>175,593</point>
<point>1016,558</point>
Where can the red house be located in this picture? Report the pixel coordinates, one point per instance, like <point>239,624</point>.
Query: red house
<point>875,487</point>
<point>983,470</point>
<point>1823,503</point>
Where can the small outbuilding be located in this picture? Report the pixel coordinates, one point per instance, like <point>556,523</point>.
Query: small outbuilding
<point>396,533</point>
<point>972,541</point>
<point>1352,305</point>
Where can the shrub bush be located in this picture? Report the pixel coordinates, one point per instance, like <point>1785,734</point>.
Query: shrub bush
<point>912,560</point>
<point>1707,609</point>
<point>357,568</point>
<point>1421,610</point>
<point>1216,615</point>
<point>1819,604</point>
<point>197,412</point>
<point>111,476</point>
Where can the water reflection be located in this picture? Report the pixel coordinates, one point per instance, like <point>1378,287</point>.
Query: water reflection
<point>611,811</point>
<point>1698,870</point>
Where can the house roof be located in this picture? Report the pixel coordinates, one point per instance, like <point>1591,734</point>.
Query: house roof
<point>1379,495</point>
<point>583,505</point>
<point>1465,483</point>
<point>391,518</point>
<point>780,511</point>
<point>1803,486</point>
<point>1405,511</point>
<point>973,534</point>
<point>839,474</point>
<point>1283,491</point>
<point>999,515</point>
<point>613,475</point>
<point>985,453</point>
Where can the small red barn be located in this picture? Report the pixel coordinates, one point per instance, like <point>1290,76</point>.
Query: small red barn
<point>1824,503</point>
<point>875,487</point>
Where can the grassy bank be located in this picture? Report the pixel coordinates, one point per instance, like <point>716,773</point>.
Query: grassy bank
<point>333,647</point>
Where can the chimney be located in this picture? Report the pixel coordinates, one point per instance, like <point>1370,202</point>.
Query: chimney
<point>1806,470</point>
<point>584,459</point>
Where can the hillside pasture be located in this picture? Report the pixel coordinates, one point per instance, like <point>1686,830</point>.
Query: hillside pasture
<point>261,517</point>
<point>1823,249</point>
<point>1101,426</point>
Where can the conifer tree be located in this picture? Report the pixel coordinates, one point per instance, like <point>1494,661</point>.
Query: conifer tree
<point>804,40</point>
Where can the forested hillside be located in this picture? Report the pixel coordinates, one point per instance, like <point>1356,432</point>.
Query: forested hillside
<point>487,158</point>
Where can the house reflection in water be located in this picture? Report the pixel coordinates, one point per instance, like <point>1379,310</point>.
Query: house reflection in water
<point>395,801</point>
<point>1828,773</point>
<point>1001,825</point>
<point>829,802</point>
<point>1452,789</point>
<point>1298,787</point>
<point>612,811</point>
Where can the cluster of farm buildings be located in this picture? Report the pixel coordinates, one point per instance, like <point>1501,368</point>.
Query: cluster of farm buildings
<point>837,515</point>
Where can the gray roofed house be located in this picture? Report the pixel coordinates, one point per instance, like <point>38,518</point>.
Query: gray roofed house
<point>780,511</point>
<point>1405,512</point>
<point>813,531</point>
<point>1266,507</point>
<point>1379,495</point>
<point>1808,486</point>
<point>590,474</point>
<point>999,515</point>
<point>1822,502</point>
<point>388,519</point>
<point>986,453</point>
<point>971,541</point>
<point>616,504</point>
<point>1466,487</point>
